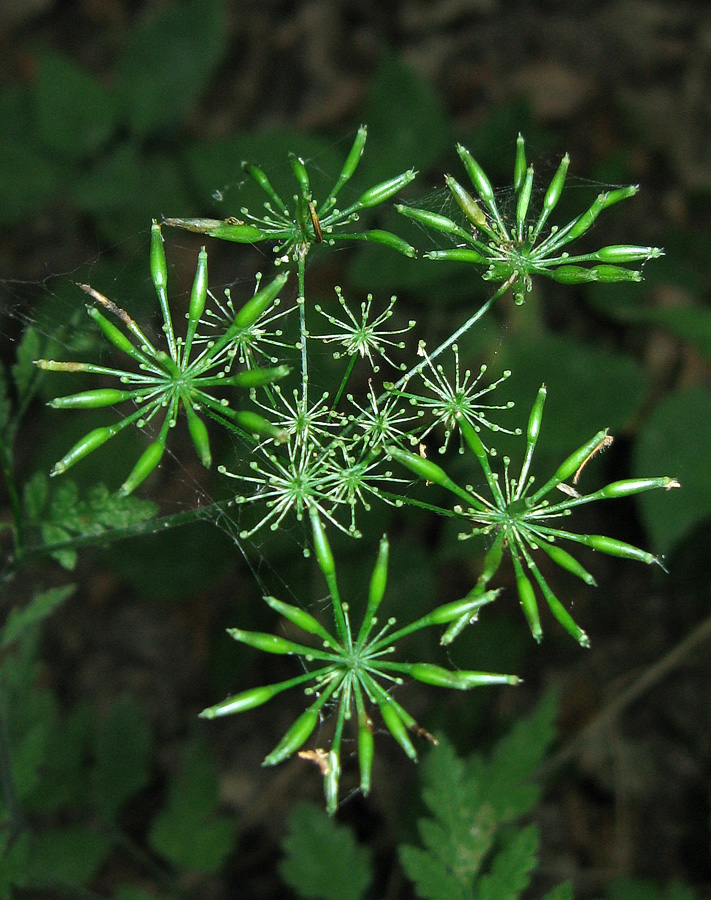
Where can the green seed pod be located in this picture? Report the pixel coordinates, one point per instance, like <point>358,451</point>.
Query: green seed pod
<point>147,462</point>
<point>564,559</point>
<point>199,434</point>
<point>352,160</point>
<point>520,164</point>
<point>467,203</point>
<point>623,253</point>
<point>614,274</point>
<point>385,190</point>
<point>536,417</point>
<point>260,177</point>
<point>84,447</point>
<point>299,617</point>
<point>198,294</point>
<point>432,220</point>
<point>560,612</point>
<point>460,681</point>
<point>91,399</point>
<point>555,189</point>
<point>253,423</point>
<point>427,471</point>
<point>295,737</point>
<point>613,547</point>
<point>570,466</point>
<point>477,176</point>
<point>117,338</point>
<point>379,578</point>
<point>159,269</point>
<point>250,699</point>
<point>261,301</point>
<point>366,752</point>
<point>524,199</point>
<point>571,274</point>
<point>459,254</point>
<point>225,229</point>
<point>492,560</point>
<point>467,606</point>
<point>322,548</point>
<point>527,598</point>
<point>251,378</point>
<point>302,176</point>
<point>378,236</point>
<point>268,643</point>
<point>331,781</point>
<point>635,486</point>
<point>396,727</point>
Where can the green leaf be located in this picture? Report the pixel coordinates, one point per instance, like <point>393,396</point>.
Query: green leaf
<point>511,867</point>
<point>323,860</point>
<point>36,495</point>
<point>189,832</point>
<point>75,113</point>
<point>41,605</point>
<point>407,122</point>
<point>168,62</point>
<point>675,440</point>
<point>432,878</point>
<point>23,371</point>
<point>122,752</point>
<point>71,854</point>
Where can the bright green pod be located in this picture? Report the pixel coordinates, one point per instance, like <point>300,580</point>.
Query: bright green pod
<point>159,268</point>
<point>250,699</point>
<point>397,728</point>
<point>560,613</point>
<point>268,643</point>
<point>466,203</point>
<point>199,435</point>
<point>474,442</point>
<point>257,304</point>
<point>520,163</point>
<point>253,423</point>
<point>198,294</point>
<point>352,160</point>
<point>584,222</point>
<point>82,448</point>
<point>571,274</point>
<point>331,781</point>
<point>427,471</point>
<point>385,190</point>
<point>613,547</point>
<point>322,548</point>
<point>366,752</point>
<point>570,466</point>
<point>621,253</point>
<point>117,338</point>
<point>492,560</point>
<point>527,598</point>
<point>614,274</point>
<point>477,176</point>
<point>225,229</point>
<point>378,236</point>
<point>147,462</point>
<point>295,737</point>
<point>302,176</point>
<point>534,420</point>
<point>379,578</point>
<point>300,618</point>
<point>524,199</point>
<point>432,220</point>
<point>555,189</point>
<point>630,486</point>
<point>459,254</point>
<point>251,378</point>
<point>566,561</point>
<point>91,399</point>
<point>260,177</point>
<point>459,681</point>
<point>467,606</point>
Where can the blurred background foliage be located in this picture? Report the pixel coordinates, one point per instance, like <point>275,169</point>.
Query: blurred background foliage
<point>114,112</point>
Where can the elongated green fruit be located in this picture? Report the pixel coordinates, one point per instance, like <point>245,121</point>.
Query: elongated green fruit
<point>350,165</point>
<point>198,294</point>
<point>619,253</point>
<point>250,699</point>
<point>560,612</point>
<point>199,435</point>
<point>397,728</point>
<point>427,470</point>
<point>366,752</point>
<point>631,486</point>
<point>255,424</point>
<point>520,163</point>
<point>378,236</point>
<point>564,559</point>
<point>117,338</point>
<point>524,199</point>
<point>379,578</point>
<point>613,547</point>
<point>91,399</point>
<point>385,190</point>
<point>268,643</point>
<point>254,307</point>
<point>534,420</point>
<point>572,274</point>
<point>466,203</point>
<point>225,229</point>
<point>468,606</point>
<point>260,177</point>
<point>300,618</point>
<point>159,269</point>
<point>432,220</point>
<point>527,598</point>
<point>458,254</point>
<point>331,781</point>
<point>302,176</point>
<point>570,466</point>
<point>555,189</point>
<point>460,681</point>
<point>147,462</point>
<point>295,737</point>
<point>84,447</point>
<point>256,377</point>
<point>477,176</point>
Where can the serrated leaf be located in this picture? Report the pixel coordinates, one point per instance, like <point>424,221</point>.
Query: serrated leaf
<point>23,371</point>
<point>323,860</point>
<point>75,113</point>
<point>99,512</point>
<point>511,867</point>
<point>432,879</point>
<point>188,832</point>
<point>168,62</point>
<point>122,750</point>
<point>71,854</point>
<point>53,534</point>
<point>675,440</point>
<point>41,605</point>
